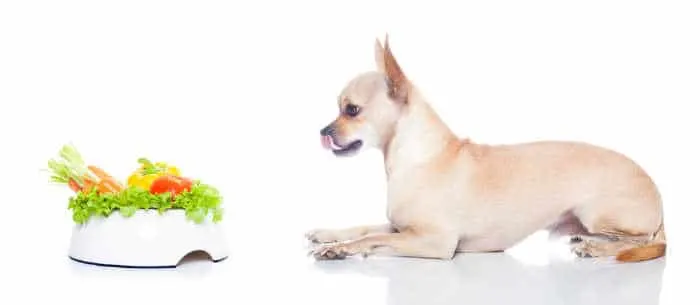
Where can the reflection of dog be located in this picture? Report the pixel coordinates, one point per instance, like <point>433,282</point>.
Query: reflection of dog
<point>447,194</point>
<point>483,279</point>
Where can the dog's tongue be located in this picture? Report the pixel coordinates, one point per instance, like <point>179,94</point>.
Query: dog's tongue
<point>326,142</point>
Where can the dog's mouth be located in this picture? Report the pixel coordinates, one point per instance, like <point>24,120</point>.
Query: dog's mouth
<point>329,142</point>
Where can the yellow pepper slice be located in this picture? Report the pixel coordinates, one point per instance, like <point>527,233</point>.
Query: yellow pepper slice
<point>172,170</point>
<point>143,181</point>
<point>148,172</point>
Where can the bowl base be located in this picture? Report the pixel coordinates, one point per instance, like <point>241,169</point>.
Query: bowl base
<point>136,267</point>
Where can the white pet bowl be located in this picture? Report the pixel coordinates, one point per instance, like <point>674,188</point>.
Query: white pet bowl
<point>146,239</point>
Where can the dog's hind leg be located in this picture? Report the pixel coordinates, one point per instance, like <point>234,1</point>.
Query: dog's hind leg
<point>330,235</point>
<point>568,225</point>
<point>626,236</point>
<point>589,246</point>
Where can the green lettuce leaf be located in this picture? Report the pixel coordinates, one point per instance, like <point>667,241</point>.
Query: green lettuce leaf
<point>200,202</point>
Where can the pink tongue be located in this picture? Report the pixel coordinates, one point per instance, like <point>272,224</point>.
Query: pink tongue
<point>326,142</point>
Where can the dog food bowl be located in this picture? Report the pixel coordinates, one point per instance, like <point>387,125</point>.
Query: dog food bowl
<point>147,239</point>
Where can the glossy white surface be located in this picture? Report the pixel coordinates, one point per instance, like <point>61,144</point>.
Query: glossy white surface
<point>501,279</point>
<point>529,274</point>
<point>145,239</point>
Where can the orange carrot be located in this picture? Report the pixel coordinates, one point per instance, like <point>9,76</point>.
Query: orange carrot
<point>88,184</point>
<point>105,187</point>
<point>112,184</point>
<point>105,177</point>
<point>74,185</point>
<point>99,172</point>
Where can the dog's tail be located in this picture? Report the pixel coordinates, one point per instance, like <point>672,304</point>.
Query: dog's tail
<point>654,249</point>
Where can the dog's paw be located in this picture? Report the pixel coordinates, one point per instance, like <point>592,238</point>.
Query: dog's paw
<point>330,252</point>
<point>587,248</point>
<point>322,236</point>
<point>581,252</point>
<point>580,247</point>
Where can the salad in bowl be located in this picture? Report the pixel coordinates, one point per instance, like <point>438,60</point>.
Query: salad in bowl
<point>154,218</point>
<point>152,186</point>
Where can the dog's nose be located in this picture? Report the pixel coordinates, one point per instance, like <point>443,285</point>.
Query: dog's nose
<point>327,131</point>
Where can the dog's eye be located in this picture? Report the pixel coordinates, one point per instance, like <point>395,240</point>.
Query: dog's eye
<point>352,110</point>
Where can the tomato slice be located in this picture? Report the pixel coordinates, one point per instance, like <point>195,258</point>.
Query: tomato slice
<point>170,183</point>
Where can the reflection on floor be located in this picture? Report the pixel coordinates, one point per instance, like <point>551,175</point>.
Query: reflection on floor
<point>514,277</point>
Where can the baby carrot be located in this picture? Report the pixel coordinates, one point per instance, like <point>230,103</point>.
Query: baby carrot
<point>74,185</point>
<point>105,177</point>
<point>88,184</point>
<point>105,187</point>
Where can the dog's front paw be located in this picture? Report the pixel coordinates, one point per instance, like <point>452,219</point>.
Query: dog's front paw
<point>330,252</point>
<point>322,236</point>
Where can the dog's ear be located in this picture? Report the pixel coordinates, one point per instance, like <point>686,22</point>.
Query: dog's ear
<point>379,56</point>
<point>396,80</point>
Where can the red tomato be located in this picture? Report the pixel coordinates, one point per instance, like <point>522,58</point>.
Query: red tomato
<point>169,183</point>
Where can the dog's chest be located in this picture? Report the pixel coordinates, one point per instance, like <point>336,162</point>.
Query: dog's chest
<point>411,199</point>
<point>429,196</point>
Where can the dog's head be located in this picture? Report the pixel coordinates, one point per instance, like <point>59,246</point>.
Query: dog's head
<point>369,107</point>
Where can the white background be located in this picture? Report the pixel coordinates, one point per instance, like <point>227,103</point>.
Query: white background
<point>235,94</point>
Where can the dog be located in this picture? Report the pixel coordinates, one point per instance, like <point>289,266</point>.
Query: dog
<point>449,195</point>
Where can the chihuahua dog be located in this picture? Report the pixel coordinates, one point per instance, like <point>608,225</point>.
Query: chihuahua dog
<point>448,195</point>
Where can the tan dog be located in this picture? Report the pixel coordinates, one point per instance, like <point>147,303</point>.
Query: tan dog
<point>448,195</point>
